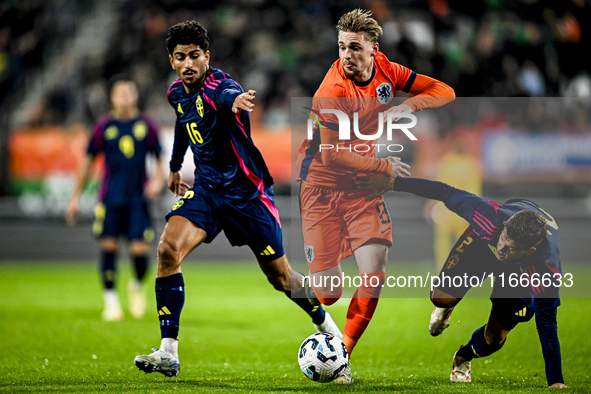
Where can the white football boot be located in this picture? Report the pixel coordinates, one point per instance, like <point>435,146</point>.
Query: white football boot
<point>137,299</point>
<point>159,361</point>
<point>112,310</point>
<point>461,372</point>
<point>345,377</point>
<point>439,320</point>
<point>329,326</point>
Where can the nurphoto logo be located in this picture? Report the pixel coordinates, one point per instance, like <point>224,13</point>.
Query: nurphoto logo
<point>345,129</point>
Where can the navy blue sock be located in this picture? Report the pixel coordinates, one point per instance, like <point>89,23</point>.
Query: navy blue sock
<point>108,270</point>
<point>478,347</point>
<point>140,264</point>
<point>315,311</point>
<point>170,298</point>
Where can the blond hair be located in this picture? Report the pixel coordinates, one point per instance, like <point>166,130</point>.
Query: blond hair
<point>360,20</point>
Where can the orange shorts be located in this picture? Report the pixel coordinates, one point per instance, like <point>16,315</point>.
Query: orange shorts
<point>335,223</point>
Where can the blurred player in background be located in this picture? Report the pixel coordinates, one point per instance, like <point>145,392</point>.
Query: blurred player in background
<point>459,168</point>
<point>125,137</point>
<point>232,190</point>
<point>337,220</point>
<point>515,239</point>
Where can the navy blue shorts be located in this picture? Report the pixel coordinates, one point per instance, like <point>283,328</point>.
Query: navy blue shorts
<point>130,220</point>
<point>510,311</point>
<point>253,222</point>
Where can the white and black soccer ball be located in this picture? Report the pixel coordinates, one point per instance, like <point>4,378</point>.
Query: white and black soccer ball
<point>322,357</point>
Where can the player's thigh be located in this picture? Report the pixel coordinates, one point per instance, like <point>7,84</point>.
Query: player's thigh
<point>366,221</point>
<point>179,238</point>
<point>200,208</point>
<point>468,262</point>
<point>322,228</point>
<point>254,223</point>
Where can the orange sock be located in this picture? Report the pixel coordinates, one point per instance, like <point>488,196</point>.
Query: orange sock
<point>362,307</point>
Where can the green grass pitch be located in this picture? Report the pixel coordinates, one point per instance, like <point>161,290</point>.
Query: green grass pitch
<point>240,335</point>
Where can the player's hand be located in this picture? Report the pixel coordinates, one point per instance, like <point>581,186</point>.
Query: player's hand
<point>244,101</point>
<point>376,184</point>
<point>559,386</point>
<point>176,184</point>
<point>399,168</point>
<point>404,108</point>
<point>72,211</point>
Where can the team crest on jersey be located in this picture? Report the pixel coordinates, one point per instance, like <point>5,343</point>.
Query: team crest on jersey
<point>384,92</point>
<point>111,132</point>
<point>199,105</point>
<point>140,129</point>
<point>452,261</point>
<point>310,253</point>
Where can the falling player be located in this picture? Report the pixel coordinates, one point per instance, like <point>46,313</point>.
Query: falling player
<point>126,137</point>
<point>516,238</point>
<point>338,221</point>
<point>232,190</point>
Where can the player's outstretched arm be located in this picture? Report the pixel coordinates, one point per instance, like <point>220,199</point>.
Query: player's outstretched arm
<point>176,184</point>
<point>244,101</point>
<point>380,184</point>
<point>547,327</point>
<point>81,178</point>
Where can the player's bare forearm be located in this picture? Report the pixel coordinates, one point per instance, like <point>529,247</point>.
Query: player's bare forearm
<point>157,181</point>
<point>244,102</point>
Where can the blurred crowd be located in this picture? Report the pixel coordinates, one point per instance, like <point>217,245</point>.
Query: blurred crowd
<point>283,48</point>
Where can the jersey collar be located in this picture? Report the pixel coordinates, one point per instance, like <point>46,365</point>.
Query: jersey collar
<point>366,83</point>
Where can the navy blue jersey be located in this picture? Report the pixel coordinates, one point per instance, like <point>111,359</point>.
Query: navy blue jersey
<point>486,218</point>
<point>125,144</point>
<point>226,160</point>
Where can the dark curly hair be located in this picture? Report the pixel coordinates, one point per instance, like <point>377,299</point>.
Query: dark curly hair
<point>527,228</point>
<point>186,33</point>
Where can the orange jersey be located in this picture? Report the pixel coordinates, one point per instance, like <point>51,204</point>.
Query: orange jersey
<point>328,162</point>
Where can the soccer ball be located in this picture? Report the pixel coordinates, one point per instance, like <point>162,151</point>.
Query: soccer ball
<point>322,357</point>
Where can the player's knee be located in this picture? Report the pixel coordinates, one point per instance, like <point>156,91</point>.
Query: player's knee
<point>328,298</point>
<point>443,300</point>
<point>139,248</point>
<point>496,340</point>
<point>168,256</point>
